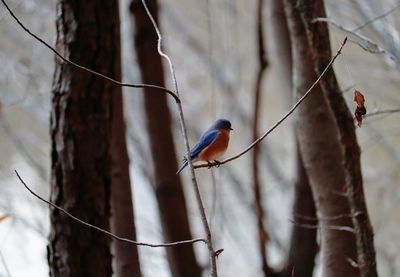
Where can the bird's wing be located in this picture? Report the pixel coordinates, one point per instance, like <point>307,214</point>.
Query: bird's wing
<point>206,139</point>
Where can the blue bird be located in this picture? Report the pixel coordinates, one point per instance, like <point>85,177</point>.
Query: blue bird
<point>212,144</point>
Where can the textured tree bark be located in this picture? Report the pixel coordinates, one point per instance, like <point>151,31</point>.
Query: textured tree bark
<point>167,185</point>
<point>81,120</point>
<point>126,258</point>
<point>303,244</point>
<point>319,142</point>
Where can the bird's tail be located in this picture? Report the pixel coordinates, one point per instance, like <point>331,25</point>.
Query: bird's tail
<point>185,164</point>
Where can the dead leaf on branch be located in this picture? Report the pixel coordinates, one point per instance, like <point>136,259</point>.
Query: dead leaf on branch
<point>360,111</point>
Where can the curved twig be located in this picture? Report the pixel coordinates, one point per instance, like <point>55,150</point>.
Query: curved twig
<point>279,122</point>
<point>159,88</point>
<point>170,244</point>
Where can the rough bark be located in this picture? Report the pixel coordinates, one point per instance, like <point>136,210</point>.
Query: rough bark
<point>303,244</point>
<point>81,120</point>
<point>319,141</point>
<point>167,185</point>
<point>126,258</point>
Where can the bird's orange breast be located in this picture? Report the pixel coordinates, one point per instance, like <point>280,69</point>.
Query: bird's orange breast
<point>216,149</point>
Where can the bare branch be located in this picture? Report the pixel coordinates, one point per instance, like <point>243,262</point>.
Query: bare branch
<point>329,227</point>
<point>280,121</point>
<point>390,111</point>
<point>327,218</point>
<point>362,41</point>
<point>3,261</point>
<point>176,97</point>
<point>372,20</point>
<point>170,244</point>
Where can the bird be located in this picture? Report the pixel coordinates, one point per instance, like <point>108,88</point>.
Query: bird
<point>211,145</point>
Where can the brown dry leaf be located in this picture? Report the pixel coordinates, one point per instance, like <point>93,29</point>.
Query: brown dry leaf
<point>359,98</point>
<point>360,111</point>
<point>2,217</point>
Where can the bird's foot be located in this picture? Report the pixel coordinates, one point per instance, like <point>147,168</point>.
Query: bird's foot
<point>217,163</point>
<point>210,164</point>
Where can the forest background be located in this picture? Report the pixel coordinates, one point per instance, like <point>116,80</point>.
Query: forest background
<point>213,46</point>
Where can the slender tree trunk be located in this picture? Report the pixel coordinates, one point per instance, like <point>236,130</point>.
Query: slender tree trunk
<point>81,121</point>
<point>126,258</point>
<point>354,182</point>
<point>259,209</point>
<point>319,142</point>
<point>303,244</point>
<point>167,185</point>
<point>280,39</point>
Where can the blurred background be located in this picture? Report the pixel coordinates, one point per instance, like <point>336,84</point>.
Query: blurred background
<point>213,46</point>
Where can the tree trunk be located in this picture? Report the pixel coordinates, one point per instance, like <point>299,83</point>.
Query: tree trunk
<point>81,121</point>
<point>354,182</point>
<point>258,199</point>
<point>126,258</point>
<point>319,142</point>
<point>303,244</point>
<point>280,39</point>
<point>167,185</point>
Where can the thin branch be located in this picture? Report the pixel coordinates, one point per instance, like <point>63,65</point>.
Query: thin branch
<point>362,41</point>
<point>329,227</point>
<point>336,217</point>
<point>212,255</point>
<point>170,244</point>
<point>175,96</point>
<point>372,20</point>
<point>3,261</point>
<point>280,121</point>
<point>390,111</point>
<point>162,54</point>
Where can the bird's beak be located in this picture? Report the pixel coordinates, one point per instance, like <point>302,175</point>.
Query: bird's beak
<point>231,128</point>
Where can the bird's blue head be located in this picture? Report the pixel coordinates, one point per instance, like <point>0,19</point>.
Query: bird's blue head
<point>223,124</point>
